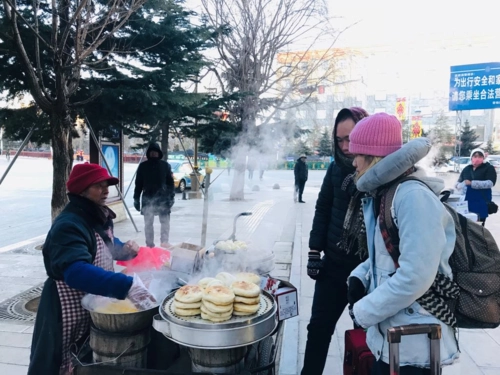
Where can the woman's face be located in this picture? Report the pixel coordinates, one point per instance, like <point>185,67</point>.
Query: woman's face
<point>362,163</point>
<point>477,159</point>
<point>97,193</point>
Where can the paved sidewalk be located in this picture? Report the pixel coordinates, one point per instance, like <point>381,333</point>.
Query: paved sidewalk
<point>271,226</point>
<point>480,349</point>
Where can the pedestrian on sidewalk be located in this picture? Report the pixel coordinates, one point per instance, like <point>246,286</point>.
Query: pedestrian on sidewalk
<point>328,231</point>
<point>300,172</point>
<point>78,255</point>
<point>409,283</point>
<point>476,181</point>
<point>155,183</point>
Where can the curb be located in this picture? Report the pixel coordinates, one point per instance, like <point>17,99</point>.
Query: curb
<point>22,244</point>
<point>290,340</point>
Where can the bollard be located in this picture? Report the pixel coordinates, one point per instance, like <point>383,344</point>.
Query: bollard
<point>184,195</point>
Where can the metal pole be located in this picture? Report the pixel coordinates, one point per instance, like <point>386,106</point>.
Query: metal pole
<point>205,211</point>
<point>109,171</point>
<point>17,153</point>
<point>133,177</point>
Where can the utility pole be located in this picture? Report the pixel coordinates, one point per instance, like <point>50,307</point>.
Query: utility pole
<point>195,182</point>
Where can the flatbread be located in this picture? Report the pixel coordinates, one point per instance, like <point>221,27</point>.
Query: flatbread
<point>239,313</point>
<point>213,319</point>
<point>247,300</point>
<point>212,314</point>
<point>245,289</point>
<point>249,277</point>
<point>225,277</point>
<point>182,305</point>
<point>189,294</point>
<point>203,283</point>
<point>186,312</point>
<point>219,295</point>
<point>217,308</point>
<point>241,307</point>
<point>215,282</point>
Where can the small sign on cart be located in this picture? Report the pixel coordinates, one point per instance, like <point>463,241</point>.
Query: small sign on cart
<point>286,297</point>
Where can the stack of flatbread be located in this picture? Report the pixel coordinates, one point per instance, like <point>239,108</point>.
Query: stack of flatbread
<point>226,278</point>
<point>187,300</point>
<point>209,281</point>
<point>249,277</point>
<point>247,298</point>
<point>217,303</point>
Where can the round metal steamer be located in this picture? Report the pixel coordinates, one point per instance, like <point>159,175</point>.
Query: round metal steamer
<point>258,262</point>
<point>196,332</point>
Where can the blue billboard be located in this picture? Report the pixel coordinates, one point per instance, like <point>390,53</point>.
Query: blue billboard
<point>475,86</point>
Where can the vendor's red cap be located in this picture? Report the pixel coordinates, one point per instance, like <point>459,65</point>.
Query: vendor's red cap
<point>86,174</point>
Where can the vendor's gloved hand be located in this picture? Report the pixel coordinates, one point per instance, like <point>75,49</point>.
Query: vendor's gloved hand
<point>131,246</point>
<point>355,290</point>
<point>137,205</point>
<point>140,296</point>
<point>351,314</point>
<point>314,264</point>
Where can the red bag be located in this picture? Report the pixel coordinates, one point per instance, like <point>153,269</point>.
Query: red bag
<point>148,258</point>
<point>358,359</point>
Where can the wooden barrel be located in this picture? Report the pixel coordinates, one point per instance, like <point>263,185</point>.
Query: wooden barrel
<point>128,349</point>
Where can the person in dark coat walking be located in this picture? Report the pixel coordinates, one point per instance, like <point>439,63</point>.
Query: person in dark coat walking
<point>339,237</point>
<point>300,172</point>
<point>155,183</point>
<point>78,256</point>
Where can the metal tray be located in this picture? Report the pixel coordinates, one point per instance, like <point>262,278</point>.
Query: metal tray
<point>196,332</point>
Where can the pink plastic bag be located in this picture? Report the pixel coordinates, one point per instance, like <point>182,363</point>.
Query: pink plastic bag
<point>148,258</point>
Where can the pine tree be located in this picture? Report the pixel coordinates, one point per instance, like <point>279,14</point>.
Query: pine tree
<point>442,132</point>
<point>302,148</point>
<point>325,144</point>
<point>490,148</point>
<point>468,138</point>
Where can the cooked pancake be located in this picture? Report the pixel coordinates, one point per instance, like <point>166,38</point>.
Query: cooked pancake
<point>225,277</point>
<point>213,319</point>
<point>186,312</point>
<point>219,295</point>
<point>189,294</point>
<point>239,313</point>
<point>245,289</point>
<point>249,277</point>
<point>212,314</point>
<point>247,300</point>
<point>215,282</point>
<point>182,305</point>
<point>241,307</point>
<point>217,308</point>
<point>203,283</point>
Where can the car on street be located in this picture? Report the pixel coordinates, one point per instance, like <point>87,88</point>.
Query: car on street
<point>494,162</point>
<point>460,163</point>
<point>182,174</point>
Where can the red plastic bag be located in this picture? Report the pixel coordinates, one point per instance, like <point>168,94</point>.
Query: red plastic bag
<point>148,258</point>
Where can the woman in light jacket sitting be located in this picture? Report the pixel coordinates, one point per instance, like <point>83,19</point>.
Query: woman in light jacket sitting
<point>476,180</point>
<point>427,238</point>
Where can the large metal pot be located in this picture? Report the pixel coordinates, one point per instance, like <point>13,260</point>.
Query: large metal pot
<point>130,322</point>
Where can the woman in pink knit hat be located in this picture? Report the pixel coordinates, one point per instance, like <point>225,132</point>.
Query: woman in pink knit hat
<point>397,277</point>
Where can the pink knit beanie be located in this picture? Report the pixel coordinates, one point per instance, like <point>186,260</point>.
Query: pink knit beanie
<point>376,135</point>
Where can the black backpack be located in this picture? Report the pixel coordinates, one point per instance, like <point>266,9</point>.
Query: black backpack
<point>475,263</point>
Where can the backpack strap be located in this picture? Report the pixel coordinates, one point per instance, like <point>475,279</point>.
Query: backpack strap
<point>388,228</point>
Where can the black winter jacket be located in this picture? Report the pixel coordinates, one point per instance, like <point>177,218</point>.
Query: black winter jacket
<point>156,184</point>
<point>300,170</point>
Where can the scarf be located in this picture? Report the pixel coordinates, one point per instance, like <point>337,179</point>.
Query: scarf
<point>354,230</point>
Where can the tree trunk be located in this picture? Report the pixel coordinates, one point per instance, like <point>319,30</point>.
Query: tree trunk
<point>62,160</point>
<point>238,186</point>
<point>164,139</point>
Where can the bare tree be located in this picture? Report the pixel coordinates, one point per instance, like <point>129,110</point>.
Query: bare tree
<point>72,35</point>
<point>254,33</point>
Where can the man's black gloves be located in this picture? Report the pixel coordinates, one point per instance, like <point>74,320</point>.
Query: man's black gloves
<point>355,290</point>
<point>314,265</point>
<point>351,314</point>
<point>137,205</point>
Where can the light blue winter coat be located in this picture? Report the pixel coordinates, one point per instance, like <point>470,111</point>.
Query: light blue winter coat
<point>427,238</point>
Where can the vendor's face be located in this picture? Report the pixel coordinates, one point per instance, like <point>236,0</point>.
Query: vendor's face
<point>97,193</point>
<point>344,128</point>
<point>477,159</point>
<point>362,163</point>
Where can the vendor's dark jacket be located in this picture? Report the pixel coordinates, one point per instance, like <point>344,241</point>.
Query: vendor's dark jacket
<point>156,184</point>
<point>71,240</point>
<point>330,211</point>
<point>300,170</point>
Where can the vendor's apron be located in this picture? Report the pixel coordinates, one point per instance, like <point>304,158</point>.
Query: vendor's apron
<point>75,319</point>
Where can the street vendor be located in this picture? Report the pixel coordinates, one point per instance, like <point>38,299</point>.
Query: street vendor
<point>78,255</point>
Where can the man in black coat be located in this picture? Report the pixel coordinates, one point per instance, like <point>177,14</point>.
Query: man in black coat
<point>328,231</point>
<point>300,172</point>
<point>156,184</point>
